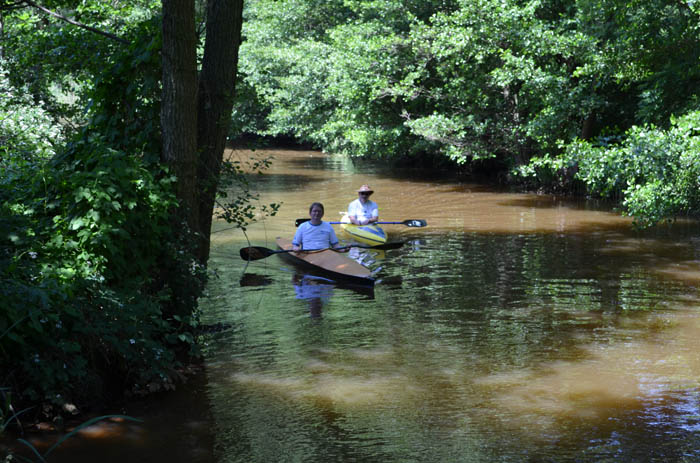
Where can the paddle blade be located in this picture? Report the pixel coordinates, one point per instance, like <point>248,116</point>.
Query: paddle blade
<point>415,223</point>
<point>255,253</point>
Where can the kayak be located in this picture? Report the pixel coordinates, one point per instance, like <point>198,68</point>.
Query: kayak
<point>332,264</point>
<point>367,234</point>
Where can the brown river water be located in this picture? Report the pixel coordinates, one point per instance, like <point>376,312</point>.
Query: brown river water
<point>513,328</point>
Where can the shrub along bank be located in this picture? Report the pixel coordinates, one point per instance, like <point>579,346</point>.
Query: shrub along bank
<point>99,286</point>
<point>88,267</point>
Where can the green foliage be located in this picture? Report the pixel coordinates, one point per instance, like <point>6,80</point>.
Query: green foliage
<point>27,130</point>
<point>105,201</point>
<point>57,61</point>
<point>471,80</point>
<point>99,282</point>
<point>241,210</point>
<point>81,244</point>
<point>324,82</point>
<point>651,49</point>
<point>554,174</point>
<point>124,99</point>
<point>98,294</point>
<point>655,173</point>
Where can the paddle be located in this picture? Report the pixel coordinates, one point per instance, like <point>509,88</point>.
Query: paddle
<point>259,252</point>
<point>408,223</point>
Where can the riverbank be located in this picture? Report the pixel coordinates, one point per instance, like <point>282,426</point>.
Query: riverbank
<point>173,426</point>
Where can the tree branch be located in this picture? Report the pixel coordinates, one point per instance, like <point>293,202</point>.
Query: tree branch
<point>8,5</point>
<point>75,23</point>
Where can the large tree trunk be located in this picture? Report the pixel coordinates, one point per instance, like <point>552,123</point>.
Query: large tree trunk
<point>217,84</point>
<point>179,99</point>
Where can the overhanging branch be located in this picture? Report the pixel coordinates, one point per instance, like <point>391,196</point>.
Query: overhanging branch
<point>75,23</point>
<point>8,5</point>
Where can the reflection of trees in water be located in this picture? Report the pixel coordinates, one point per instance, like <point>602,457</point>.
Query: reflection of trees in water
<point>530,293</point>
<point>315,306</point>
<point>254,279</point>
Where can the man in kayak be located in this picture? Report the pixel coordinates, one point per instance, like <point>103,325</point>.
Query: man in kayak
<point>315,234</point>
<point>363,211</point>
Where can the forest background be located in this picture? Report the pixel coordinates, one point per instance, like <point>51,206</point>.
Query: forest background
<point>113,118</point>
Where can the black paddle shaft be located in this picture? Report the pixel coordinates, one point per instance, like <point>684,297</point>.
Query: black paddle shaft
<point>259,252</point>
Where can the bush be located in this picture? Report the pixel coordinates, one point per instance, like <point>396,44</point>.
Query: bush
<point>654,173</point>
<point>87,313</point>
<point>99,285</point>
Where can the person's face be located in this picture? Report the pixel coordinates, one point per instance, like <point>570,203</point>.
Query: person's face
<point>316,214</point>
<point>364,196</point>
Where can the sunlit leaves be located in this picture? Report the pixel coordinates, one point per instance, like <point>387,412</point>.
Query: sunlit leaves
<point>27,131</point>
<point>470,78</point>
<point>237,203</point>
<point>656,172</point>
<point>329,82</point>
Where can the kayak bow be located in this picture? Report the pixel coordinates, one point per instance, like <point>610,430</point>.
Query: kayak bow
<point>331,264</point>
<point>371,234</point>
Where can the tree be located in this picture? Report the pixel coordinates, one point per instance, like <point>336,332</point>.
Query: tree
<point>217,86</point>
<point>194,140</point>
<point>179,99</point>
<point>99,275</point>
<point>483,82</point>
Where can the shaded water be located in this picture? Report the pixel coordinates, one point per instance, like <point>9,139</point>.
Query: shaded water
<point>514,328</point>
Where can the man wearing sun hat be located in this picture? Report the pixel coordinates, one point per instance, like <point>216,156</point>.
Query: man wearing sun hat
<point>363,211</point>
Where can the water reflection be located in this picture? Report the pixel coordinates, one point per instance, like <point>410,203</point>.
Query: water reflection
<point>513,328</point>
<point>313,290</point>
<point>253,279</point>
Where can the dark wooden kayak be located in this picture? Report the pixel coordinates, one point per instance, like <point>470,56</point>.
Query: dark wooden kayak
<point>331,264</point>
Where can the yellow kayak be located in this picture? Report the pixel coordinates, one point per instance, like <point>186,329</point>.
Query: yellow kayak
<point>368,234</point>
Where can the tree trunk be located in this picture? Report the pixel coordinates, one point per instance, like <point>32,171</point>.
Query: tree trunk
<point>179,99</point>
<point>217,84</point>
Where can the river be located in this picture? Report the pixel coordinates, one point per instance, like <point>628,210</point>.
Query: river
<point>513,328</point>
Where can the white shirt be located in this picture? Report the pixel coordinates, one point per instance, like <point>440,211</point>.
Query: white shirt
<point>365,211</point>
<point>310,236</point>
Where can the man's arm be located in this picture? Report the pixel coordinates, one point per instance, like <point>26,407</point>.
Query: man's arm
<point>298,237</point>
<point>375,215</point>
<point>352,214</point>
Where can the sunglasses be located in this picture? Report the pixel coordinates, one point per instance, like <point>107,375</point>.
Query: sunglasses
<point>365,194</point>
